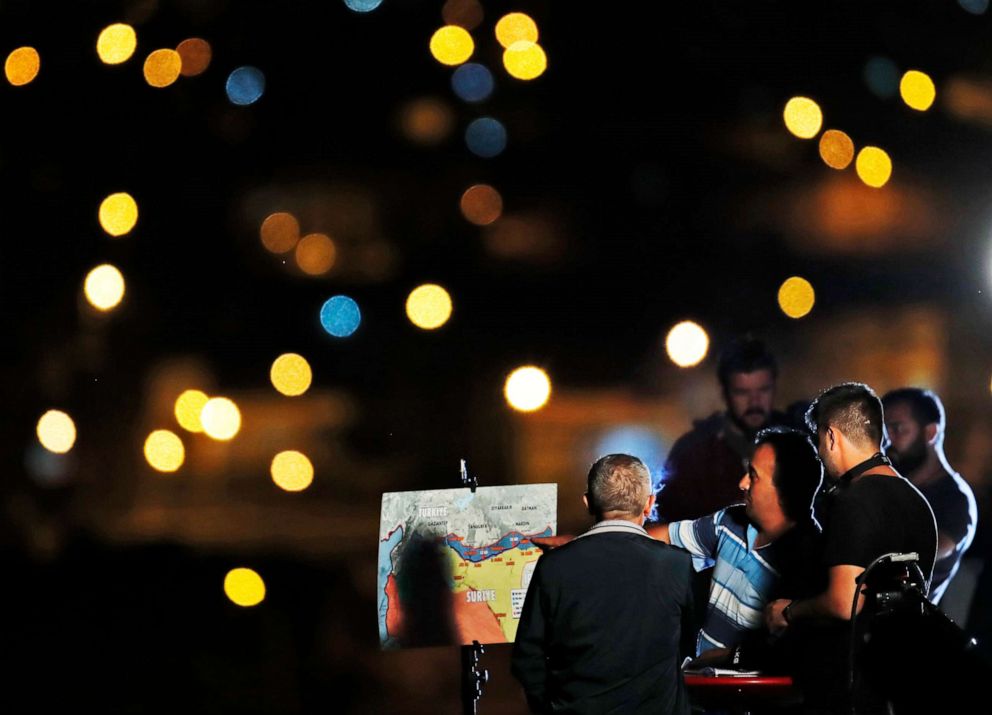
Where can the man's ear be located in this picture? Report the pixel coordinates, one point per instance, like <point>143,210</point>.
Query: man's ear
<point>585,500</point>
<point>649,506</point>
<point>831,439</point>
<point>930,432</point>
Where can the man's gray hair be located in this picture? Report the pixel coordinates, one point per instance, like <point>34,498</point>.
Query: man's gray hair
<point>618,484</point>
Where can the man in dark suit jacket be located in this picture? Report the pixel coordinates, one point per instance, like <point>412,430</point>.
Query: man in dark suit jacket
<point>601,627</point>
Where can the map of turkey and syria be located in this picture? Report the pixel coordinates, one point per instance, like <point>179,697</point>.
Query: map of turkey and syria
<point>454,565</point>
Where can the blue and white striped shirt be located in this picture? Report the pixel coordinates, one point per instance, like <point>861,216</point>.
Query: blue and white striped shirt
<point>743,577</point>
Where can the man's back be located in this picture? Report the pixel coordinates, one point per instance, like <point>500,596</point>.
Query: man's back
<point>601,627</point>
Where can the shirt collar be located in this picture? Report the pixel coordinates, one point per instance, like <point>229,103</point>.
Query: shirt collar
<point>615,526</point>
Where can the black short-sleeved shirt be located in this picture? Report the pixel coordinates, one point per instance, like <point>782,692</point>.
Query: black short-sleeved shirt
<point>877,515</point>
<point>953,505</point>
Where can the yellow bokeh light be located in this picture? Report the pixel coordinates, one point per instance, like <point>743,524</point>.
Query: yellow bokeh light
<point>56,431</point>
<point>687,344</point>
<point>428,306</point>
<point>315,254</point>
<point>244,587</point>
<point>481,204</point>
<point>527,388</point>
<point>514,27</point>
<point>195,54</point>
<point>118,214</point>
<point>164,451</point>
<point>292,471</point>
<point>874,166</point>
<point>803,117</point>
<point>452,45</point>
<point>104,287</point>
<point>221,418</point>
<point>836,149</point>
<point>116,43</point>
<point>917,90</point>
<point>796,297</point>
<point>188,407</point>
<point>525,60</point>
<point>22,66</point>
<point>291,374</point>
<point>280,232</point>
<point>163,67</point>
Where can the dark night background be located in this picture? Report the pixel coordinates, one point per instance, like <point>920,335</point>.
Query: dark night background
<point>648,178</point>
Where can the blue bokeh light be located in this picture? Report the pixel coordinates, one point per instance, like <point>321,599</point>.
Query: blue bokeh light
<point>882,77</point>
<point>362,5</point>
<point>472,82</point>
<point>245,85</point>
<point>975,7</point>
<point>486,137</point>
<point>340,316</point>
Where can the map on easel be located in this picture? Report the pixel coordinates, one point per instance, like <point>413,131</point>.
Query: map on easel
<point>454,565</point>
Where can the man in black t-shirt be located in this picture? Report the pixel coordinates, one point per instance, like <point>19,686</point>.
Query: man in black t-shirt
<point>914,422</point>
<point>874,512</point>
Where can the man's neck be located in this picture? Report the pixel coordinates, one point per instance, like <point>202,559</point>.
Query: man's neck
<point>930,471</point>
<point>770,532</point>
<point>612,516</point>
<point>856,457</point>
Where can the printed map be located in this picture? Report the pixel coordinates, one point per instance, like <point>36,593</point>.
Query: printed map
<point>454,565</point>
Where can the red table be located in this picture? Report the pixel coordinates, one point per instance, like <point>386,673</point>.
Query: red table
<point>740,694</point>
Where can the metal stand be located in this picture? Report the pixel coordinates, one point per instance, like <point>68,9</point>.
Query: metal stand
<point>472,677</point>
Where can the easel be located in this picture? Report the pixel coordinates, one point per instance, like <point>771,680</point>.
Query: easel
<point>472,677</point>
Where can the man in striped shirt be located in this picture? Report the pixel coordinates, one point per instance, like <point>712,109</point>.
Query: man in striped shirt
<point>767,546</point>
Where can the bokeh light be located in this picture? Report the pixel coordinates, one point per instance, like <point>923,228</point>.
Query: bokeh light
<point>340,316</point>
<point>836,149</point>
<point>882,77</point>
<point>428,306</point>
<point>481,204</point>
<point>687,344</point>
<point>975,7</point>
<point>486,137</point>
<point>315,254</point>
<point>525,60</point>
<point>472,82</point>
<point>514,27</point>
<point>245,85</point>
<point>244,587</point>
<point>116,43</point>
<point>917,90</point>
<point>803,117</point>
<point>22,66</point>
<point>280,232</point>
<point>221,418</point>
<point>362,6</point>
<point>195,54</point>
<point>56,431</point>
<point>452,45</point>
<point>104,287</point>
<point>118,214</point>
<point>527,388</point>
<point>292,471</point>
<point>162,67</point>
<point>426,121</point>
<point>796,297</point>
<point>464,13</point>
<point>291,374</point>
<point>187,409</point>
<point>874,166</point>
<point>164,451</point>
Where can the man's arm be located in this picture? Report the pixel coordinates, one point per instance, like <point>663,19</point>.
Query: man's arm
<point>659,532</point>
<point>946,545</point>
<point>834,603</point>
<point>529,663</point>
